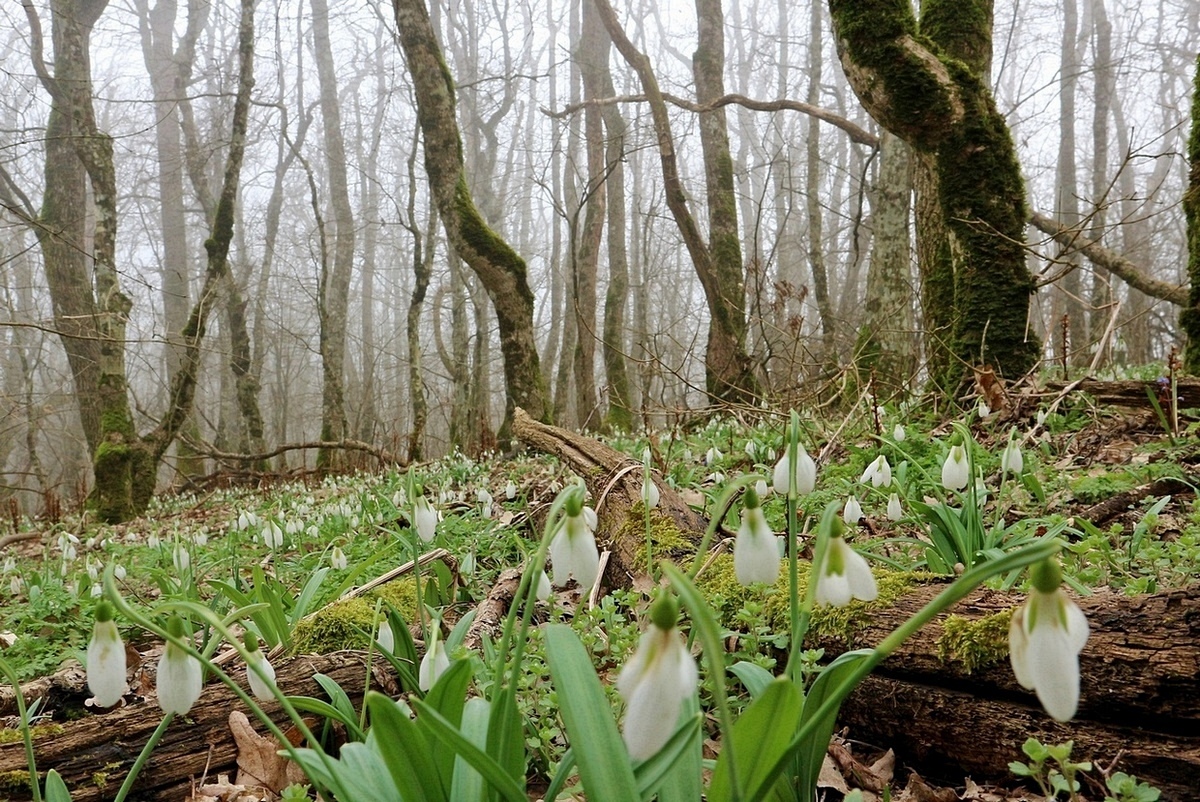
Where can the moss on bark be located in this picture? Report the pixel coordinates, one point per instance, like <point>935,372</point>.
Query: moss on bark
<point>1189,319</point>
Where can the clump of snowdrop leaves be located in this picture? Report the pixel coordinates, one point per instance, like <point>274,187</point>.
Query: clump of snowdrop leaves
<point>843,573</point>
<point>756,550</point>
<point>878,473</point>
<point>573,547</point>
<point>1044,640</point>
<point>955,472</point>
<point>106,659</point>
<point>179,680</point>
<point>655,681</point>
<point>259,671</point>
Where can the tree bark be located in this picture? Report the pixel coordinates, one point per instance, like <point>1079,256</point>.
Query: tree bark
<point>928,88</point>
<point>812,190</point>
<point>1190,318</point>
<point>1074,350</point>
<point>498,266</point>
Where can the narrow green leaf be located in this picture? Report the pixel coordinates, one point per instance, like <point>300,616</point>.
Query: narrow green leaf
<point>56,789</point>
<point>337,696</point>
<point>467,783</point>
<point>451,737</point>
<point>562,772</point>
<point>655,771</point>
<point>447,697</point>
<point>814,746</point>
<point>761,735</point>
<point>455,638</point>
<point>505,736</point>
<point>306,704</point>
<point>405,750</point>
<point>754,677</point>
<point>603,759</point>
<point>683,782</point>
<point>359,775</point>
<point>300,609</point>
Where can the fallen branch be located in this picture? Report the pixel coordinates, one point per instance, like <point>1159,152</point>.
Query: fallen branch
<point>384,457</point>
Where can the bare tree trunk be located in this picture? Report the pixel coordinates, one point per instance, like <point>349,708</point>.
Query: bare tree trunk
<point>1067,192</point>
<point>335,284</point>
<point>422,262</point>
<point>1101,110</point>
<point>812,190</point>
<point>500,269</point>
<point>941,109</point>
<point>1190,318</point>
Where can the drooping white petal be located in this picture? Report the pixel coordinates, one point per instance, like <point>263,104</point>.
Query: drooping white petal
<point>833,589</point>
<point>654,683</point>
<point>805,478</point>
<point>954,469</point>
<point>337,559</point>
<point>1054,667</point>
<point>106,664</point>
<point>755,552</point>
<point>573,552</point>
<point>844,574</point>
<point>543,587</point>
<point>894,511</point>
<point>433,664</point>
<point>1018,648</point>
<point>878,473</point>
<point>260,687</point>
<point>859,576</point>
<point>178,681</point>
<point>1011,461</point>
<point>426,518</point>
<point>650,495</point>
<point>898,433</point>
<point>852,513</point>
<point>385,637</point>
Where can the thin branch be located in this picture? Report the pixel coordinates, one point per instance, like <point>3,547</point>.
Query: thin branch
<point>348,445</point>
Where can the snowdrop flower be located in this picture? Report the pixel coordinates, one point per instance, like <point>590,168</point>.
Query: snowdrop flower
<point>262,687</point>
<point>1041,417</point>
<point>337,559</point>
<point>106,659</point>
<point>425,518</point>
<point>119,572</point>
<point>97,590</point>
<point>852,513</point>
<point>898,433</point>
<point>543,587</point>
<point>510,490</point>
<point>573,547</point>
<point>795,473</point>
<point>179,678</point>
<point>272,535</point>
<point>762,488</point>
<point>984,409</point>
<point>152,540</point>
<point>385,637</point>
<point>981,491</point>
<point>655,681</point>
<point>1044,640</point>
<point>712,455</point>
<point>434,663</point>
<point>755,552</point>
<point>181,557</point>
<point>894,511</point>
<point>878,473</point>
<point>843,574</point>
<point>750,449</point>
<point>954,469</point>
<point>650,495</point>
<point>15,584</point>
<point>1011,460</point>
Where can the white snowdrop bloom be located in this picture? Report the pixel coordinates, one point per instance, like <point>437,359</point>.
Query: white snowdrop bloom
<point>69,553</point>
<point>1011,460</point>
<point>16,584</point>
<point>573,547</point>
<point>399,499</point>
<point>510,490</point>
<point>751,450</point>
<point>93,569</point>
<point>181,557</point>
<point>655,682</point>
<point>425,518</point>
<point>434,663</point>
<point>984,409</point>
<point>981,491</point>
<point>762,488</point>
<point>119,572</point>
<point>200,537</point>
<point>1041,417</point>
<point>262,687</point>
<point>385,637</point>
<point>337,559</point>
<point>898,433</point>
<point>844,574</point>
<point>1044,640</point>
<point>543,587</point>
<point>293,526</point>
<point>755,552</point>
<point>106,659</point>
<point>272,535</point>
<point>894,511</point>
<point>954,469</point>
<point>798,481</point>
<point>768,456</point>
<point>878,473</point>
<point>712,455</point>
<point>153,541</point>
<point>483,496</point>
<point>97,590</point>
<point>243,521</point>
<point>650,494</point>
<point>312,531</point>
<point>179,680</point>
<point>10,564</point>
<point>852,511</point>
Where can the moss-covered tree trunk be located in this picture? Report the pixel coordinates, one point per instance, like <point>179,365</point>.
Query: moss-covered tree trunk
<point>1190,318</point>
<point>498,266</point>
<point>938,101</point>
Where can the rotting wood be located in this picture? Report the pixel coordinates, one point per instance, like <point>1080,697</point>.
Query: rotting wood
<point>947,732</point>
<point>1132,394</point>
<point>1105,511</point>
<point>615,483</point>
<point>94,753</point>
<point>490,613</point>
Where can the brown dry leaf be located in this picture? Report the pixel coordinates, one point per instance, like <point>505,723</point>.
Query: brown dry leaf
<point>991,388</point>
<point>917,790</point>
<point>259,764</point>
<point>831,777</point>
<point>224,791</point>
<point>857,774</point>
<point>885,767</point>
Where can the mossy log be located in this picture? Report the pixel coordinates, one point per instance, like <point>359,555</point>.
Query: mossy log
<point>94,753</point>
<point>950,696</point>
<point>615,483</point>
<point>1132,394</point>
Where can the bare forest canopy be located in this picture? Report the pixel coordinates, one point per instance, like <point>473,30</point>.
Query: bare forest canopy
<point>221,236</point>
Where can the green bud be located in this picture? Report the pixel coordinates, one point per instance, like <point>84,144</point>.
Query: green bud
<point>251,642</point>
<point>956,439</point>
<point>751,498</point>
<point>573,504</point>
<point>1046,575</point>
<point>175,627</point>
<point>105,611</point>
<point>664,612</point>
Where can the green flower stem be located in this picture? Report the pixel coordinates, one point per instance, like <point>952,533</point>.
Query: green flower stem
<point>416,550</point>
<point>144,756</point>
<point>714,655</point>
<point>26,733</point>
<point>112,594</point>
<point>724,504</point>
<point>954,593</point>
<point>802,612</point>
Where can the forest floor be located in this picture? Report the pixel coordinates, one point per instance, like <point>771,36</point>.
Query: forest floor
<point>1113,485</point>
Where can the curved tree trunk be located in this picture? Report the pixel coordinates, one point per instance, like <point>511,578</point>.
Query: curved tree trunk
<point>498,266</point>
<point>928,88</point>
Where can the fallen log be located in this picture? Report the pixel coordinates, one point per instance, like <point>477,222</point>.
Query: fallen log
<point>956,702</point>
<point>1131,394</point>
<point>94,753</point>
<point>615,483</point>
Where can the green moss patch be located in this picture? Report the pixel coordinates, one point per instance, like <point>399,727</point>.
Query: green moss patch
<point>345,624</point>
<point>974,642</point>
